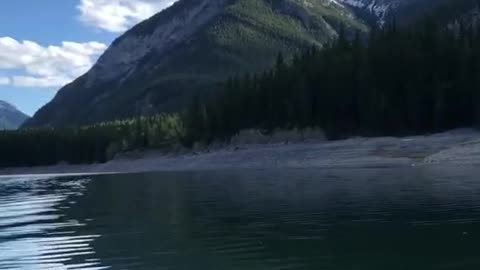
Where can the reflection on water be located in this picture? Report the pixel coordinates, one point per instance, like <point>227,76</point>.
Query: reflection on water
<point>292,219</point>
<point>34,233</point>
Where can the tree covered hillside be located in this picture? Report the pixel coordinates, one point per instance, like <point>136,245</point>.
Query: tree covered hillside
<point>403,81</point>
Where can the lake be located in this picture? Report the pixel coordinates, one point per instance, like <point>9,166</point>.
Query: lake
<point>404,218</point>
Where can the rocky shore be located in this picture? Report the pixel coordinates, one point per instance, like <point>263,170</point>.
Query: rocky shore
<point>461,146</point>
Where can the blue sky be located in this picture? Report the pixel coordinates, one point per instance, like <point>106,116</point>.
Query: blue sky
<point>45,44</point>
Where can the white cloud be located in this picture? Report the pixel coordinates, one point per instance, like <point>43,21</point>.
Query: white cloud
<point>34,65</point>
<point>40,82</point>
<point>51,66</point>
<point>119,15</point>
<point>4,81</point>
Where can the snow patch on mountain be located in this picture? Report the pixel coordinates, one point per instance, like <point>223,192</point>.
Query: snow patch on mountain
<point>379,8</point>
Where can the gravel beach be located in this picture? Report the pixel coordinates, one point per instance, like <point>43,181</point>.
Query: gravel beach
<point>461,146</point>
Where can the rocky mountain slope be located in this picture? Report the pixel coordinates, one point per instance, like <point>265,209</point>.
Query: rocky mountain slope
<point>188,49</point>
<point>10,117</point>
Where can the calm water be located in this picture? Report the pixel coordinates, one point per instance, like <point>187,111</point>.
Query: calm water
<point>293,219</point>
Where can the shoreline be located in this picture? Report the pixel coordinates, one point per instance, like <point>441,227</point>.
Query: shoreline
<point>457,147</point>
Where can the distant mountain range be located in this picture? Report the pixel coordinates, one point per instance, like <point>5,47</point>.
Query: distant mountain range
<point>10,117</point>
<point>190,48</point>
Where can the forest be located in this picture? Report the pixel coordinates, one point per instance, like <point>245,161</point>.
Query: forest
<point>92,144</point>
<point>396,81</point>
<point>399,82</point>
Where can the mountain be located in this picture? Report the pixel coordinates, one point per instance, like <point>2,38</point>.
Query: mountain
<point>187,50</point>
<point>10,117</point>
<point>190,48</point>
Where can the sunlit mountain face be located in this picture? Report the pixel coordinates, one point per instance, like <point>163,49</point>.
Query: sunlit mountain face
<point>188,50</point>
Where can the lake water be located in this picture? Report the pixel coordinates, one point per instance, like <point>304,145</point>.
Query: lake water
<point>292,219</point>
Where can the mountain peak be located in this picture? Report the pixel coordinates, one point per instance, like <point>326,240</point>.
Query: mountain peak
<point>6,106</point>
<point>10,116</point>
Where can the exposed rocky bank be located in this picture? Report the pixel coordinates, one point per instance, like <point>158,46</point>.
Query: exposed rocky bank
<point>457,147</point>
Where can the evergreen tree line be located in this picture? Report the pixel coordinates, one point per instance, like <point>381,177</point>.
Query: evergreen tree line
<point>401,81</point>
<point>96,143</point>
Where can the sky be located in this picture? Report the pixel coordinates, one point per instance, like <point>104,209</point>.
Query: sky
<point>45,44</point>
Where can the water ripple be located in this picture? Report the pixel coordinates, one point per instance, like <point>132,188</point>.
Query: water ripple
<point>259,220</point>
<point>34,234</point>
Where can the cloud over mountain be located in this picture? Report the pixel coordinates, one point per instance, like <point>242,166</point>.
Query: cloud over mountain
<point>33,65</point>
<point>118,15</point>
